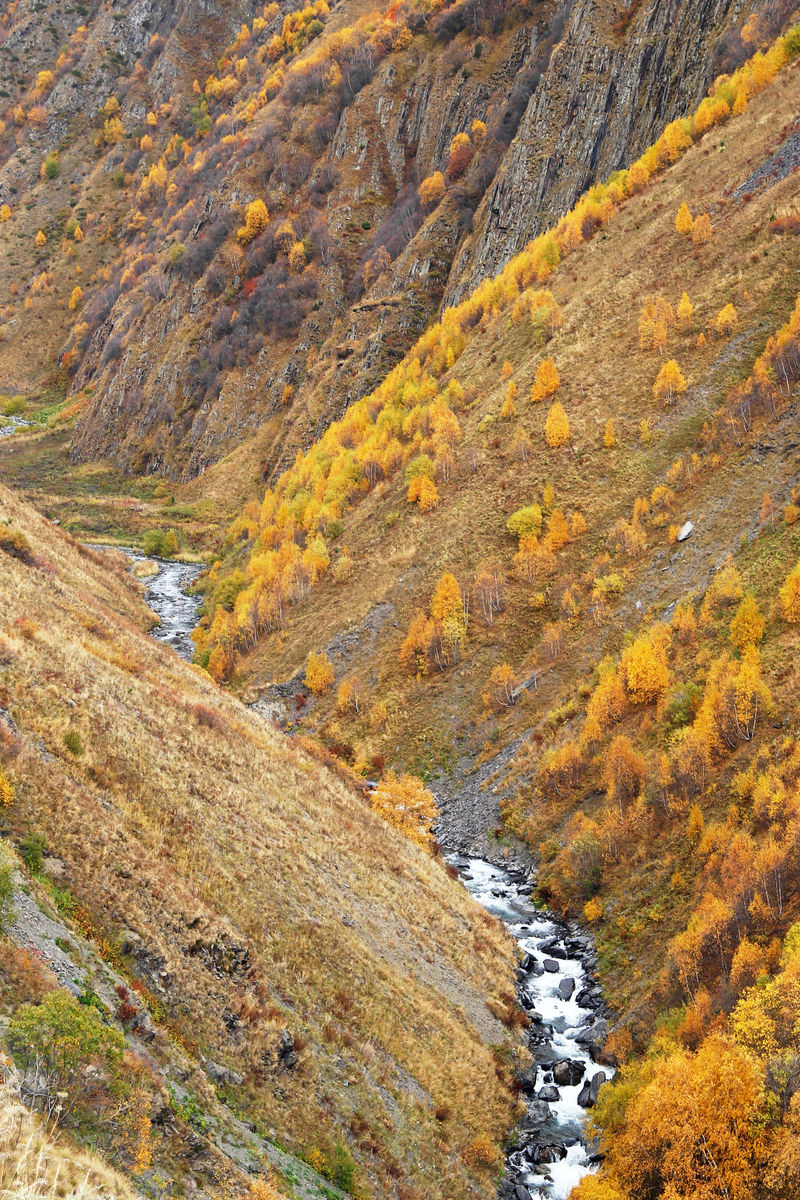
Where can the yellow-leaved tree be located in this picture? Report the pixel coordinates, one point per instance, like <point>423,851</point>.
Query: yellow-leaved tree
<point>404,802</point>
<point>789,596</point>
<point>547,381</point>
<point>669,382</point>
<point>256,220</point>
<point>319,673</point>
<point>447,610</point>
<point>556,428</point>
<point>683,219</point>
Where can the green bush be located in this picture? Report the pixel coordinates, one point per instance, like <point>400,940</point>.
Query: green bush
<point>51,166</point>
<point>72,740</point>
<point>31,850</point>
<point>7,911</point>
<point>342,1168</point>
<point>421,465</point>
<point>64,1040</point>
<point>525,522</point>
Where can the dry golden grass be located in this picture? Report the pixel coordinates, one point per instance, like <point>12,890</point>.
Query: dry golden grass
<point>601,288</point>
<point>35,1165</point>
<point>227,834</point>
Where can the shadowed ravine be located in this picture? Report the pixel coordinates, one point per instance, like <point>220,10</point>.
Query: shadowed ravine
<point>547,1154</point>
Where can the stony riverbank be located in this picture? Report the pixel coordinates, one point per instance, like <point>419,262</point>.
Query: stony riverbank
<point>548,1153</point>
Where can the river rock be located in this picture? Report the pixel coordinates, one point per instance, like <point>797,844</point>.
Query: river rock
<point>526,999</point>
<point>552,947</point>
<point>548,1152</point>
<point>537,1115</point>
<point>551,965</point>
<point>521,1192</point>
<point>527,1080</point>
<point>587,1097</point>
<point>594,1036</point>
<point>568,1071</point>
<point>549,1093</point>
<point>566,987</point>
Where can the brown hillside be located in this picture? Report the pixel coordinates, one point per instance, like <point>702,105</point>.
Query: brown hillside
<point>245,887</point>
<point>187,345</point>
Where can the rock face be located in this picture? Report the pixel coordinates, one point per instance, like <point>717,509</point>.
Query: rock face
<point>585,95</point>
<point>602,101</point>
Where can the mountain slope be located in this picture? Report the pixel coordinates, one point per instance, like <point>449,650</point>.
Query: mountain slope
<point>191,342</point>
<point>268,919</point>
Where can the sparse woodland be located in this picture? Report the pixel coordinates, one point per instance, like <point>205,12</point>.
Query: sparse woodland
<point>541,544</point>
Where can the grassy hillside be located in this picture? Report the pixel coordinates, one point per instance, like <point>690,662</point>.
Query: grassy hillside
<point>625,690</point>
<point>263,915</point>
<point>338,534</point>
<point>135,141</point>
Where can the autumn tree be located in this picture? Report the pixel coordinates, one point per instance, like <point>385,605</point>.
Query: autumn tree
<point>509,409</point>
<point>460,155</point>
<point>726,320</point>
<point>423,490</point>
<point>609,437</point>
<point>525,522</point>
<point>577,525</point>
<point>348,696</point>
<point>557,531</point>
<point>747,626</point>
<point>488,588</point>
<point>685,310</point>
<point>644,668</point>
<point>41,238</point>
<point>547,381</point>
<point>447,610</point>
<point>656,319</point>
<point>404,802</point>
<point>76,298</point>
<point>6,791</point>
<point>431,190</point>
<point>683,219</point>
<point>623,771</point>
<point>688,1128</point>
<point>702,230</point>
<point>256,221</point>
<point>415,652</point>
<point>319,673</point>
<point>5,213</point>
<point>789,596</point>
<point>500,693</point>
<point>556,429</point>
<point>669,382</point>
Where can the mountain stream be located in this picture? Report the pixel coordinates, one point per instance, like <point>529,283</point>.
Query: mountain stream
<point>548,1153</point>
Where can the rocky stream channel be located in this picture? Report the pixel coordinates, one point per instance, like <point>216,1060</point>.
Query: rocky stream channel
<point>548,1153</point>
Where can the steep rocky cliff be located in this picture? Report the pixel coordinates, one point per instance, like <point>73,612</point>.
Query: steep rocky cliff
<point>610,87</point>
<point>184,342</point>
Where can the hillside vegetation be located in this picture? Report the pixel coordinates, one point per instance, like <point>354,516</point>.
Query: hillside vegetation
<point>232,230</point>
<point>500,529</point>
<point>256,909</point>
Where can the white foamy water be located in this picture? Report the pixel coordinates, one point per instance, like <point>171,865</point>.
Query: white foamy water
<point>556,1126</point>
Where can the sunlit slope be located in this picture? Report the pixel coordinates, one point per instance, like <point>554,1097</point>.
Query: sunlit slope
<point>247,888</point>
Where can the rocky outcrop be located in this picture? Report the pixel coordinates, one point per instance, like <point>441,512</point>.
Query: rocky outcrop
<point>588,90</point>
<point>603,100</point>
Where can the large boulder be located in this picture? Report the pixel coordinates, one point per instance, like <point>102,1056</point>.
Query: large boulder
<point>568,1071</point>
<point>587,1097</point>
